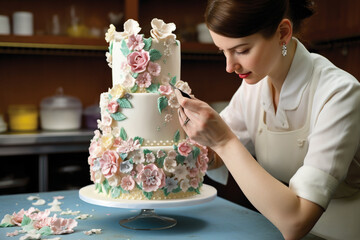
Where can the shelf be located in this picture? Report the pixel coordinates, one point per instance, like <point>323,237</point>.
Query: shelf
<point>84,46</point>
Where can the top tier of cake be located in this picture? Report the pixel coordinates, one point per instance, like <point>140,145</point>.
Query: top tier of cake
<point>141,101</point>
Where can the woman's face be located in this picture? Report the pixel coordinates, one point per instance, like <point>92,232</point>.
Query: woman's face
<point>252,57</point>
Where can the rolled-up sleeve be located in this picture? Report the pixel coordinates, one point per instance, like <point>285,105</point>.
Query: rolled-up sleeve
<point>314,185</point>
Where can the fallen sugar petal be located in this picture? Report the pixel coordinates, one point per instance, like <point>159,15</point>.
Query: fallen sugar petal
<point>31,198</point>
<point>39,202</point>
<point>69,212</point>
<point>12,234</point>
<point>55,202</point>
<point>92,231</point>
<point>83,216</point>
<point>58,197</point>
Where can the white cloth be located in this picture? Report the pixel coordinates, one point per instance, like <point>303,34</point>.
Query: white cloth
<point>332,143</point>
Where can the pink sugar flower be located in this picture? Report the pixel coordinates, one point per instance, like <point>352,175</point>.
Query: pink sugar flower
<point>61,225</point>
<point>152,178</point>
<point>193,172</point>
<point>138,61</point>
<point>127,146</point>
<point>144,80</point>
<point>135,42</point>
<point>165,89</point>
<point>184,149</point>
<point>154,69</point>
<point>194,182</point>
<point>113,106</point>
<point>127,183</point>
<point>110,161</point>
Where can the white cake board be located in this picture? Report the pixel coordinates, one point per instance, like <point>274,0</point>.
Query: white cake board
<point>89,195</point>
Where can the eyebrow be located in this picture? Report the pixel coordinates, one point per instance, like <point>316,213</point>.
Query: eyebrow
<point>239,45</point>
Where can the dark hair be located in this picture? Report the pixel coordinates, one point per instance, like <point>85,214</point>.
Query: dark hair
<point>240,18</point>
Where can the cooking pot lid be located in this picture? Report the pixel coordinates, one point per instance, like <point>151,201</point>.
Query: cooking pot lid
<point>60,101</point>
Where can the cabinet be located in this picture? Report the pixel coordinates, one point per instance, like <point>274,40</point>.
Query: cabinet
<point>33,67</point>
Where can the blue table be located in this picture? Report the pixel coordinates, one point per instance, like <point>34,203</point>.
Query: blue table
<point>218,219</point>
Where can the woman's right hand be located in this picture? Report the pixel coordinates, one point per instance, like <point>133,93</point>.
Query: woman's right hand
<point>205,125</point>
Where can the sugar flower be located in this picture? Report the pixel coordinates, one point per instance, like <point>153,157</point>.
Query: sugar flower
<point>170,184</point>
<point>184,184</point>
<point>108,59</point>
<point>168,117</point>
<point>160,153</point>
<point>138,61</point>
<point>172,154</point>
<point>131,27</point>
<point>109,35</point>
<point>144,80</point>
<point>95,149</point>
<point>127,183</point>
<point>107,141</point>
<point>117,91</point>
<point>114,180</point>
<point>135,42</point>
<point>106,120</point>
<point>169,164</point>
<point>184,149</point>
<point>128,81</point>
<point>194,182</point>
<point>161,30</point>
<point>98,177</point>
<point>150,157</point>
<point>126,167</point>
<point>180,172</point>
<point>152,178</point>
<point>154,69</point>
<point>183,86</point>
<point>113,106</point>
<point>173,102</point>
<point>165,89</point>
<point>139,157</point>
<point>127,146</point>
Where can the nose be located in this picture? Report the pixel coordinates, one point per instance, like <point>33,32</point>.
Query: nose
<point>231,64</point>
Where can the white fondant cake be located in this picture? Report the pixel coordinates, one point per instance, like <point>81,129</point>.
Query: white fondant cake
<point>140,150</point>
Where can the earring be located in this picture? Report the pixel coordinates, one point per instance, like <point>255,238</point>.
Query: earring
<point>284,50</point>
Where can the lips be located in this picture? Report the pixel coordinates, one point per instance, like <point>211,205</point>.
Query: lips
<point>244,75</point>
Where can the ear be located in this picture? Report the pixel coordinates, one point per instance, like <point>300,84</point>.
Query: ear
<point>285,31</point>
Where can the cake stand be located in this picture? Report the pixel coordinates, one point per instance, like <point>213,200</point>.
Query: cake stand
<point>147,217</point>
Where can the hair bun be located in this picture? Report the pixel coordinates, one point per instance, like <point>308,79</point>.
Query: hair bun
<point>300,10</point>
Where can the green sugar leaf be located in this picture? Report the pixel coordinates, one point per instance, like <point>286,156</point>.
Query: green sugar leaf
<point>180,159</point>
<point>118,116</point>
<point>106,186</point>
<point>195,152</point>
<point>177,136</point>
<point>153,88</point>
<point>160,162</point>
<point>25,221</point>
<point>141,140</point>
<point>124,48</point>
<point>123,156</point>
<point>45,231</point>
<point>115,192</point>
<point>123,134</point>
<point>134,88</point>
<point>124,103</point>
<point>154,55</point>
<point>162,103</point>
<point>135,75</point>
<point>148,195</point>
<point>178,189</point>
<point>147,42</point>
<point>173,81</point>
<point>111,48</point>
<point>146,151</point>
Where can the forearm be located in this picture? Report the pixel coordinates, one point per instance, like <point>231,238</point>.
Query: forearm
<point>272,198</point>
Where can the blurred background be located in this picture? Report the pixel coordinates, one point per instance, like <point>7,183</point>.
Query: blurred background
<point>52,58</point>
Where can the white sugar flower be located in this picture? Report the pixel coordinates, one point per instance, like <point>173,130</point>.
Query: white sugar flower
<point>169,165</point>
<point>172,154</point>
<point>150,157</point>
<point>109,35</point>
<point>184,185</point>
<point>139,157</point>
<point>180,172</point>
<point>171,184</point>
<point>131,27</point>
<point>183,86</point>
<point>173,102</point>
<point>129,81</point>
<point>109,59</point>
<point>161,30</point>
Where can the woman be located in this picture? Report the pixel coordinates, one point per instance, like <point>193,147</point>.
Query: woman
<point>295,109</point>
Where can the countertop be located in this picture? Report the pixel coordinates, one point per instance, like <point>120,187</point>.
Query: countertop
<point>218,219</point>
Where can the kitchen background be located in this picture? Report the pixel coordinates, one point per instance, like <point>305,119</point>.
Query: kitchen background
<point>53,47</point>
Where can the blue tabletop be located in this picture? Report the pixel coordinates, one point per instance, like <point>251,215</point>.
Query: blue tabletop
<point>218,219</point>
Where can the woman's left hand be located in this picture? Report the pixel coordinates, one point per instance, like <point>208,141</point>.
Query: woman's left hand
<point>205,125</point>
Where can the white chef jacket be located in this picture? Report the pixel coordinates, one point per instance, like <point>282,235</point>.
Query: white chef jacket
<point>333,156</point>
